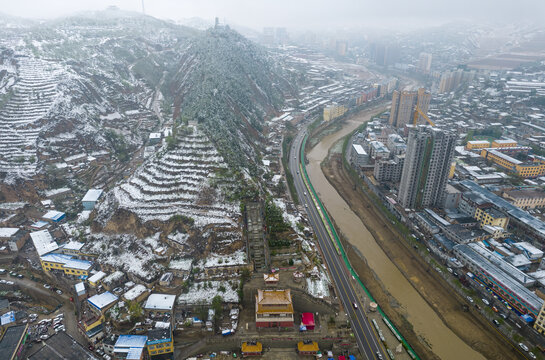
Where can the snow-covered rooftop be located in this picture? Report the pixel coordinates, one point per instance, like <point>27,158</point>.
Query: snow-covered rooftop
<point>67,261</point>
<point>53,215</point>
<point>92,195</point>
<point>131,341</point>
<point>73,245</point>
<point>160,302</point>
<point>97,277</point>
<point>8,232</point>
<point>43,242</point>
<point>100,301</point>
<point>135,292</point>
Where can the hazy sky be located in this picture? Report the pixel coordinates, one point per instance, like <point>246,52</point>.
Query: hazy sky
<point>313,14</point>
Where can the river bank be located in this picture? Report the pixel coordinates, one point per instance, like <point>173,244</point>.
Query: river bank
<point>428,327</point>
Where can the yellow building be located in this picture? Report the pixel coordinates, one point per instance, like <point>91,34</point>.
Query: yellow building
<point>539,325</point>
<point>477,144</point>
<point>452,170</point>
<point>307,347</point>
<point>492,217</point>
<point>160,342</point>
<point>274,308</point>
<point>334,111</point>
<point>525,170</point>
<point>254,348</point>
<point>68,264</point>
<point>504,143</point>
<point>525,198</point>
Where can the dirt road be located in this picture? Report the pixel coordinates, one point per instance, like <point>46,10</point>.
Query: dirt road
<point>473,330</point>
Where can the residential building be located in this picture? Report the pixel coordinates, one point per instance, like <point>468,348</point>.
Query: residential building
<point>334,111</point>
<point>14,237</point>
<point>403,103</point>
<point>274,308</point>
<point>358,156</point>
<point>160,341</point>
<point>95,279</point>
<point>160,304</point>
<point>66,263</point>
<point>13,341</point>
<point>389,170</point>
<point>424,62</point>
<point>59,347</point>
<point>502,282</point>
<point>477,144</point>
<point>90,199</point>
<point>539,324</point>
<point>501,143</point>
<point>130,347</point>
<point>525,198</point>
<point>523,169</point>
<point>43,242</point>
<point>426,168</point>
<point>491,216</point>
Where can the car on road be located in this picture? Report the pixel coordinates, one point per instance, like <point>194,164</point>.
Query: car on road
<point>379,355</point>
<point>47,286</point>
<point>503,316</point>
<point>496,322</point>
<point>485,301</point>
<point>470,299</point>
<point>495,309</point>
<point>523,346</point>
<point>59,292</point>
<point>532,355</point>
<point>355,306</point>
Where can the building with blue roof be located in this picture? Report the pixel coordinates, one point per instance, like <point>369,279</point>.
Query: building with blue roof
<point>130,347</point>
<point>69,264</point>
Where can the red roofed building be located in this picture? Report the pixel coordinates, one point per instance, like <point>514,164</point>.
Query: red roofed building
<point>307,319</point>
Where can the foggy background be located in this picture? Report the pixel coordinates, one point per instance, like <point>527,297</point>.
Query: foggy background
<point>303,14</point>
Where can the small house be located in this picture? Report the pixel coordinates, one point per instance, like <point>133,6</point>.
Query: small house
<point>91,198</point>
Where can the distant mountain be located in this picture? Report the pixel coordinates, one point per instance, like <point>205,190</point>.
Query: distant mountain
<point>118,72</point>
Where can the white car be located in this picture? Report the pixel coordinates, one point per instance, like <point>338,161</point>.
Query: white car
<point>523,347</point>
<point>47,286</point>
<point>532,355</point>
<point>485,302</point>
<point>470,299</point>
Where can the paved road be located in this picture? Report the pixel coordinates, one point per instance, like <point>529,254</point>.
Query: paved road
<point>366,337</point>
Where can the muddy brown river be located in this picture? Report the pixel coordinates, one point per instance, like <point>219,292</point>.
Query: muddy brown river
<point>426,323</point>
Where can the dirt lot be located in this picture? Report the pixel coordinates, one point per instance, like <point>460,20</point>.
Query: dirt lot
<point>475,331</point>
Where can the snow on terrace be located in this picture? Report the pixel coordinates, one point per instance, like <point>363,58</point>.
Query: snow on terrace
<point>34,95</point>
<point>128,253</point>
<point>198,294</point>
<point>236,258</point>
<point>171,184</point>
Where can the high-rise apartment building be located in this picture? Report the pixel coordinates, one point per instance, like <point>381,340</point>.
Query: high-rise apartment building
<point>424,63</point>
<point>403,104</point>
<point>426,168</point>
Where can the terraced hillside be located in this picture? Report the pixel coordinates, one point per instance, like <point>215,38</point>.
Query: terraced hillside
<point>175,183</point>
<point>27,102</point>
<point>186,181</point>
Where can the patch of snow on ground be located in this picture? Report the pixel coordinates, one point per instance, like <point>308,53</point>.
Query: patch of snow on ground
<point>318,288</point>
<point>289,218</point>
<point>236,258</point>
<point>205,296</point>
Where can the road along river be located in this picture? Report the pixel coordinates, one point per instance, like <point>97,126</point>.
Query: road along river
<point>426,323</point>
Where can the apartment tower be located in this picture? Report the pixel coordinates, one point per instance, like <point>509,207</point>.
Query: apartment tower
<point>403,104</point>
<point>426,168</point>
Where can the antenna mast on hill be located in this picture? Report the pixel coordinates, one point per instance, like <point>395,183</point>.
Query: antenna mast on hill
<point>143,8</point>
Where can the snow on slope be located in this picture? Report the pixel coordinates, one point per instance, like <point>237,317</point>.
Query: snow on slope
<point>33,96</point>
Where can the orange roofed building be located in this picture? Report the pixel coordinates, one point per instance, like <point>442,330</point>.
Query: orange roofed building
<point>273,308</point>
